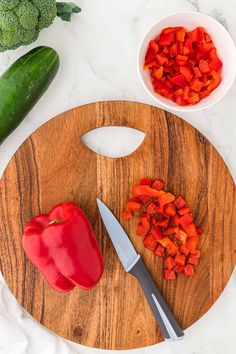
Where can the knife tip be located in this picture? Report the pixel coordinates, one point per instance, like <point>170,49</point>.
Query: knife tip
<point>98,201</point>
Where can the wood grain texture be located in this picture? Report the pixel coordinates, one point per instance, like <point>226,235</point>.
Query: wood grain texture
<point>54,166</point>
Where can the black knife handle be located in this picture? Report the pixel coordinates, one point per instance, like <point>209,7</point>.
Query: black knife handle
<point>170,328</point>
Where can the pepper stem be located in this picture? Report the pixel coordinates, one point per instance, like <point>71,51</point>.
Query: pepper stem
<point>66,9</point>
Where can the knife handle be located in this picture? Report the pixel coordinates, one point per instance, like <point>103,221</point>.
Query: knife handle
<point>170,328</point>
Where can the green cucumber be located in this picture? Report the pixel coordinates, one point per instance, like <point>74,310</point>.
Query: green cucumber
<point>22,85</point>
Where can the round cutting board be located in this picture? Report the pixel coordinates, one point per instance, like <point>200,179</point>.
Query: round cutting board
<point>54,166</point>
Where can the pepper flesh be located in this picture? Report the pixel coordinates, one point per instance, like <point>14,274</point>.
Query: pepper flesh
<point>62,245</point>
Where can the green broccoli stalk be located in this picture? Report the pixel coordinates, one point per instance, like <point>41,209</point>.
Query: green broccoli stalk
<point>22,20</point>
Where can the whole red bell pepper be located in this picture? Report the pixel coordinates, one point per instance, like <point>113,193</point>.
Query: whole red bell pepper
<point>62,245</point>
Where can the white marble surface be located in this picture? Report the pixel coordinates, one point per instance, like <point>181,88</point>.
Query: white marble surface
<point>98,62</point>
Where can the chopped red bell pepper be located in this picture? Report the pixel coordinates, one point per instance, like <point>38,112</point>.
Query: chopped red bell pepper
<point>184,211</point>
<point>165,221</point>
<point>146,181</point>
<point>145,190</point>
<point>188,269</point>
<point>144,199</point>
<point>181,59</point>
<point>150,56</point>
<point>154,46</point>
<point>133,206</point>
<point>144,226</point>
<point>186,220</point>
<point>190,230</point>
<point>194,257</point>
<point>216,64</point>
<point>181,235</point>
<point>180,259</point>
<point>165,242</point>
<point>156,232</point>
<point>172,248</point>
<point>166,38</point>
<point>196,85</point>
<point>175,219</point>
<point>184,249</point>
<point>204,66</point>
<point>197,71</point>
<point>158,184</point>
<point>171,230</point>
<point>192,243</point>
<point>62,245</point>
<point>197,34</point>
<point>170,209</point>
<point>178,80</point>
<point>179,268</point>
<point>169,262</point>
<point>199,230</point>
<point>165,198</point>
<point>179,202</point>
<point>160,251</point>
<point>150,242</point>
<point>162,59</point>
<point>152,208</point>
<point>180,34</point>
<point>169,274</point>
<point>159,73</point>
<point>127,214</point>
<point>212,55</point>
<point>186,72</point>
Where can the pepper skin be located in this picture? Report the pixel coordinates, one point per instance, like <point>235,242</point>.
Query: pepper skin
<point>62,245</point>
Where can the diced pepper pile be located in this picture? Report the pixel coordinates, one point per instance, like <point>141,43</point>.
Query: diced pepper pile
<point>184,66</point>
<point>166,226</point>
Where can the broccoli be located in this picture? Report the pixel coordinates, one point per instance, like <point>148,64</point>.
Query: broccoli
<point>22,20</point>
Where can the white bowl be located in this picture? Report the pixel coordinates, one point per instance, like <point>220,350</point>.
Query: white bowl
<point>225,49</point>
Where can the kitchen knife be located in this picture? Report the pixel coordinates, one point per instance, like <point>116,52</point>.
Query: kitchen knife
<point>134,265</point>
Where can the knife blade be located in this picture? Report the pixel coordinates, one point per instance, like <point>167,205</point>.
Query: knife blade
<point>133,264</point>
<point>123,246</point>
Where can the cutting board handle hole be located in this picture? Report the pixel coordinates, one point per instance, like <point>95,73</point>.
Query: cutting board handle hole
<point>113,141</point>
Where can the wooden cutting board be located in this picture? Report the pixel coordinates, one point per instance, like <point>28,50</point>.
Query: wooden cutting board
<point>54,166</point>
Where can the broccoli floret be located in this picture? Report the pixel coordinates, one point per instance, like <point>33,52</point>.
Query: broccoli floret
<point>8,20</point>
<point>8,4</point>
<point>27,15</point>
<point>22,20</point>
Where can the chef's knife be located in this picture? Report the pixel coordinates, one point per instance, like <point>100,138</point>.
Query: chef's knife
<point>134,265</point>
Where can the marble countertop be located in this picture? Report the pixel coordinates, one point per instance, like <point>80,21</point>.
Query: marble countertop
<point>98,52</point>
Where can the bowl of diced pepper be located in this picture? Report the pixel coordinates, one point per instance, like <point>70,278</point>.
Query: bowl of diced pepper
<point>187,61</point>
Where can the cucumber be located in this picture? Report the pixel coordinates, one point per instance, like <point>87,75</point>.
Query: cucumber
<point>22,85</point>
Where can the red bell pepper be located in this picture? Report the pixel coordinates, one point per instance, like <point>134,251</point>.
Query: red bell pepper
<point>62,245</point>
